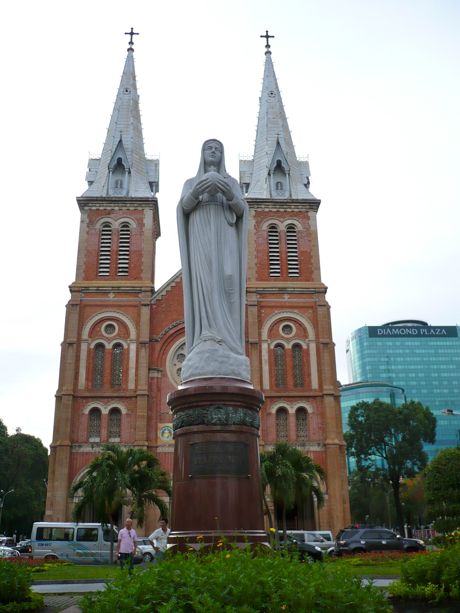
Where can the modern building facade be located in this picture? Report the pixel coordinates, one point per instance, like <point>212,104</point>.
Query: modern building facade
<point>422,359</point>
<point>367,391</point>
<point>124,337</point>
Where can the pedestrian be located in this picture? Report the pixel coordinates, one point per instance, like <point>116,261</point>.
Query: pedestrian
<point>159,539</point>
<point>126,545</point>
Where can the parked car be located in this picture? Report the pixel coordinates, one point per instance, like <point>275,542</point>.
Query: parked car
<point>146,549</point>
<point>304,550</point>
<point>360,540</point>
<point>326,534</point>
<point>8,552</point>
<point>307,536</point>
<point>24,548</point>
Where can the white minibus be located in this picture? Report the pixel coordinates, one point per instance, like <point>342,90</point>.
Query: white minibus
<point>82,543</point>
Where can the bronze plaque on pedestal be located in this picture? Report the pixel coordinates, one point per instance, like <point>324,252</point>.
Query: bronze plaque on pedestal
<point>223,458</point>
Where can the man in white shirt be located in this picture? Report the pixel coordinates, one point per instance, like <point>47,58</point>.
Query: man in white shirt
<point>159,539</point>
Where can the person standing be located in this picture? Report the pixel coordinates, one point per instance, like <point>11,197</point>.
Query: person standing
<point>159,539</point>
<point>126,545</point>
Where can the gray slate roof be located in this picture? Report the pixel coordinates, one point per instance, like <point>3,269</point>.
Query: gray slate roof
<point>274,155</point>
<point>123,153</point>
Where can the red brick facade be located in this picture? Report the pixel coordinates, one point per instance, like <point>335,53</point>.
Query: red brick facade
<point>123,339</point>
<point>285,314</point>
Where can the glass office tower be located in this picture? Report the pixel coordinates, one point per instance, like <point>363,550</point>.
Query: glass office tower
<point>367,391</point>
<point>424,360</point>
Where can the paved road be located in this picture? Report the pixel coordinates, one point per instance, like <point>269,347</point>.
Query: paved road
<point>68,588</point>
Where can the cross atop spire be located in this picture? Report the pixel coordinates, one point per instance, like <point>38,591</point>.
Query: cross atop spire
<point>131,42</point>
<point>267,36</point>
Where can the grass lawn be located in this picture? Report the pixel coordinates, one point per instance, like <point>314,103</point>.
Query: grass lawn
<point>77,572</point>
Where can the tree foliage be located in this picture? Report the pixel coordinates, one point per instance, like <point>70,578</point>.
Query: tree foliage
<point>413,498</point>
<point>24,469</point>
<point>442,485</point>
<point>129,477</point>
<point>394,435</point>
<point>292,478</point>
<point>370,497</point>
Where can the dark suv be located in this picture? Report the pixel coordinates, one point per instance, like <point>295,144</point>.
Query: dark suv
<point>360,540</point>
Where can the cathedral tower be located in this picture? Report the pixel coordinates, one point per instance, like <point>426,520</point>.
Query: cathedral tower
<point>288,318</point>
<point>103,383</point>
<point>124,341</point>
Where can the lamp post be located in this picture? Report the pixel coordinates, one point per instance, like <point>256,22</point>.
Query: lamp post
<point>3,495</point>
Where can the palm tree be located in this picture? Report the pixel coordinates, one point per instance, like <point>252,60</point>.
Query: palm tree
<point>278,475</point>
<point>117,477</point>
<point>292,477</point>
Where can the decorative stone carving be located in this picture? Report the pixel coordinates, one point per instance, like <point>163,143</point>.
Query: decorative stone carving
<point>216,415</point>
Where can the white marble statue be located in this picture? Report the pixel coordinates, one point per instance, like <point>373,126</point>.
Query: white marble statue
<point>212,222</point>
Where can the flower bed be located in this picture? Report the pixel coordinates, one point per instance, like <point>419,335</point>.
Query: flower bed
<point>377,557</point>
<point>36,565</point>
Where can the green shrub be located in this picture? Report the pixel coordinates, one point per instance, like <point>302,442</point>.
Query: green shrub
<point>15,592</point>
<point>14,582</point>
<point>447,539</point>
<point>434,576</point>
<point>446,524</point>
<point>453,538</point>
<point>234,580</point>
<point>428,592</point>
<point>36,602</point>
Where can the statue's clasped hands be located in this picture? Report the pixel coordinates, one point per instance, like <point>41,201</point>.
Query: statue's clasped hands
<point>212,183</point>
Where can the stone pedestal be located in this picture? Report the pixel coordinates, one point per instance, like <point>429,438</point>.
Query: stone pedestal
<point>216,487</point>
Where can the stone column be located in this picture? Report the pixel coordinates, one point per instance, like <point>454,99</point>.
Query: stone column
<point>217,489</point>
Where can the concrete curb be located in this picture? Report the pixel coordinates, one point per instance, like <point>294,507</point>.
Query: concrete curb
<point>72,581</point>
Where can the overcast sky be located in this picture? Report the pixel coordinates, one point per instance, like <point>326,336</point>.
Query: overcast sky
<point>371,90</point>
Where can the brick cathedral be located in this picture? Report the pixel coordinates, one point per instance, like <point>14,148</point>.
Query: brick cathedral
<point>124,338</point>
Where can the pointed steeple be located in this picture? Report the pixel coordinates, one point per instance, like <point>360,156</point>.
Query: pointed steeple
<point>274,171</point>
<point>123,170</point>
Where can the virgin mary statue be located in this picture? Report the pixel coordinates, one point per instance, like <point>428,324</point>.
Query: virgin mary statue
<point>212,223</point>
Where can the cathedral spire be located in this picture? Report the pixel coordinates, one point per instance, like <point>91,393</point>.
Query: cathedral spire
<point>275,171</point>
<point>123,170</point>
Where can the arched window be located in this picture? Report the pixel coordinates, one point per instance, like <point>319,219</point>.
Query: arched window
<point>117,365</point>
<point>98,365</point>
<point>279,186</point>
<point>94,425</point>
<point>297,365</point>
<point>281,425</point>
<point>292,251</point>
<point>105,249</point>
<point>124,241</point>
<point>274,264</point>
<point>301,425</point>
<point>114,425</point>
<point>280,366</point>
